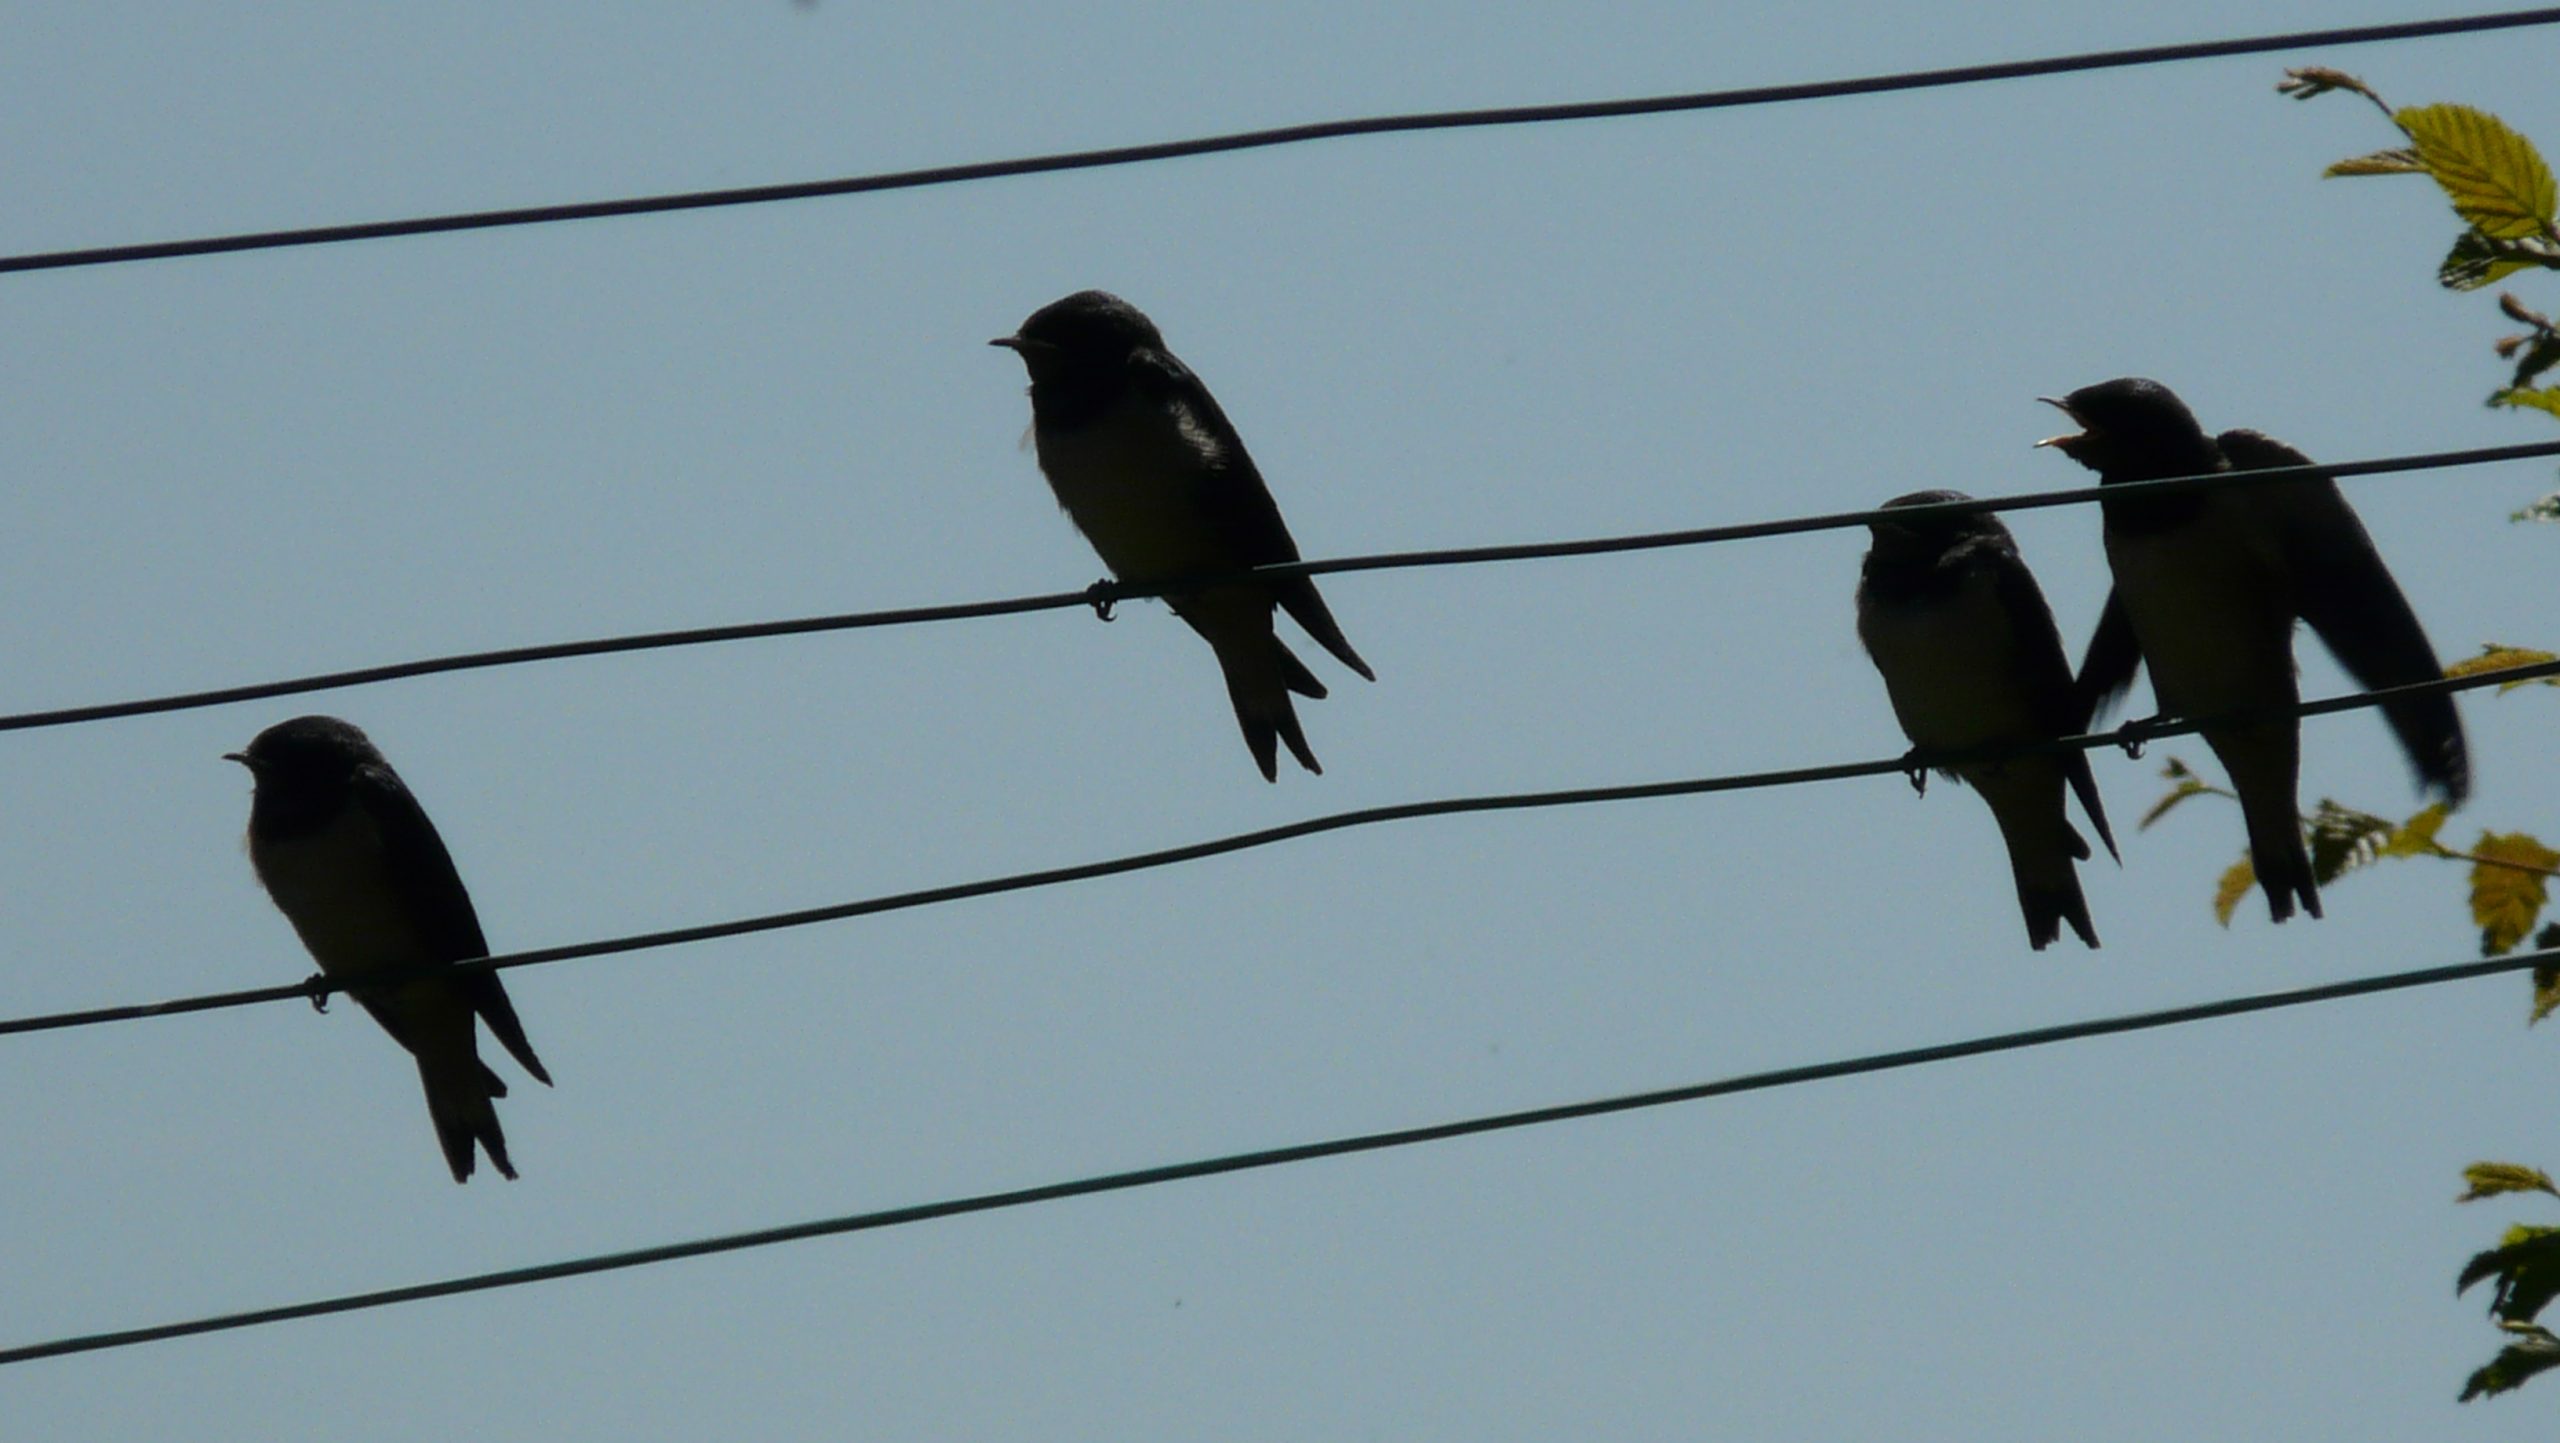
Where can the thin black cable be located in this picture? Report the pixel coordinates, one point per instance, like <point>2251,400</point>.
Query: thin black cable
<point>1279,135</point>
<point>1116,591</point>
<point>2132,735</point>
<point>1281,1156</point>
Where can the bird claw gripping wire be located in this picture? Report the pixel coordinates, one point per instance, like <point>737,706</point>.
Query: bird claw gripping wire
<point>315,990</point>
<point>1104,597</point>
<point>1916,771</point>
<point>2133,736</point>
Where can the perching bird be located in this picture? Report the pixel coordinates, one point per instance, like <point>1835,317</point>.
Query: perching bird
<point>1971,658</point>
<point>2208,587</point>
<point>354,864</point>
<point>1149,469</point>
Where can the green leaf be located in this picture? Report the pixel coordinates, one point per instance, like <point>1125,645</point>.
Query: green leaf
<point>2509,885</point>
<point>2488,1179</point>
<point>2235,885</point>
<point>2534,1351</point>
<point>2526,1263</point>
<point>2476,261</point>
<point>2416,837</point>
<point>2343,839</point>
<point>2546,978</point>
<point>2493,176</point>
<point>2402,161</point>
<point>2546,509</point>
<point>2521,399</point>
<point>2183,790</point>
<point>2498,657</point>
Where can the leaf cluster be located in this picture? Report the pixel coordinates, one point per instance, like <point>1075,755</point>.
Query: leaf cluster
<point>2510,208</point>
<point>2526,1267</point>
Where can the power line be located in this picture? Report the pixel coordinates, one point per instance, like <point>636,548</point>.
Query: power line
<point>1276,136</point>
<point>2134,734</point>
<point>1108,592</point>
<point>1282,1156</point>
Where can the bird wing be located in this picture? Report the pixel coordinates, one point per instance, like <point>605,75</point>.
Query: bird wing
<point>1234,500</point>
<point>2108,667</point>
<point>438,905</point>
<point>2050,690</point>
<point>2339,585</point>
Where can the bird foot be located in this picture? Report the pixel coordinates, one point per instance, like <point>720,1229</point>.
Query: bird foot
<point>2133,736</point>
<point>1104,597</point>
<point>315,989</point>
<point>1916,772</point>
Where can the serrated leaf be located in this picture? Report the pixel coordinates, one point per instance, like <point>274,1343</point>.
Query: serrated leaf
<point>2528,399</point>
<point>2535,1351</point>
<point>2477,261</point>
<point>2188,788</point>
<point>2488,1179</point>
<point>2509,884</point>
<point>2416,837</point>
<point>2546,509</point>
<point>2235,885</point>
<point>2493,176</point>
<point>2498,657</point>
<point>2400,161</point>
<point>2526,1263</point>
<point>2343,839</point>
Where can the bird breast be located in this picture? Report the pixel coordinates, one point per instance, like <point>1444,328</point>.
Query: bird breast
<point>333,886</point>
<point>1130,481</point>
<point>1951,666</point>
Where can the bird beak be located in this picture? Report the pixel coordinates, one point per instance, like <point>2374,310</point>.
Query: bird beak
<point>1010,343</point>
<point>2067,437</point>
<point>242,758</point>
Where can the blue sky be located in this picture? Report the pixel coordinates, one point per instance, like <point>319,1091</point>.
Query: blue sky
<point>246,466</point>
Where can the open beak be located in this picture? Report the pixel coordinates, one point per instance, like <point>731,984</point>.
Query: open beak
<point>2068,436</point>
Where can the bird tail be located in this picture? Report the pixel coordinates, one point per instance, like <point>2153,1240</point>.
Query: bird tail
<point>2026,800</point>
<point>2263,762</point>
<point>1261,672</point>
<point>460,1100</point>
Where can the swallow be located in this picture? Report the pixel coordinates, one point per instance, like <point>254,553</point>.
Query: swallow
<point>1970,655</point>
<point>1150,470</point>
<point>2208,586</point>
<point>353,863</point>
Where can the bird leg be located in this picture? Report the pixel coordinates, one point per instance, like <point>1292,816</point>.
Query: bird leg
<point>1103,596</point>
<point>315,989</point>
<point>2133,736</point>
<point>1916,772</point>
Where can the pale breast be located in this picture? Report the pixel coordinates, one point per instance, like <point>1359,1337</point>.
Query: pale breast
<point>2202,601</point>
<point>1129,480</point>
<point>333,887</point>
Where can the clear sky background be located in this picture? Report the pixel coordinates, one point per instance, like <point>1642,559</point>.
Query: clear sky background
<point>239,467</point>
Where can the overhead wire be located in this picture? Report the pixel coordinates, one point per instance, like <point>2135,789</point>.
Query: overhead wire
<point>317,988</point>
<point>1104,594</point>
<point>1277,136</point>
<point>1283,1156</point>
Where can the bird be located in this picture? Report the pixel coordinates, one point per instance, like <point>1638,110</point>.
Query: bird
<point>2208,587</point>
<point>1971,657</point>
<point>354,864</point>
<point>1148,467</point>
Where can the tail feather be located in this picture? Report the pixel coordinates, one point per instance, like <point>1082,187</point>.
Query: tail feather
<point>2046,907</point>
<point>2276,853</point>
<point>1260,675</point>
<point>459,1102</point>
<point>2025,797</point>
<point>2265,763</point>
